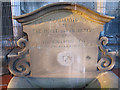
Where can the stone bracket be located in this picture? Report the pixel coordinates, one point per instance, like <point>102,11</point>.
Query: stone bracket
<point>19,64</point>
<point>107,61</point>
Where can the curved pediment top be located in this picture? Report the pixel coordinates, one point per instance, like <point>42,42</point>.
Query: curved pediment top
<point>63,6</point>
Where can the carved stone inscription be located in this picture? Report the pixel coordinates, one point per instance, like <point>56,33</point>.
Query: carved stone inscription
<point>63,44</point>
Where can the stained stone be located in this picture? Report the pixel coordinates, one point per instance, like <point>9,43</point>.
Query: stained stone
<point>63,41</point>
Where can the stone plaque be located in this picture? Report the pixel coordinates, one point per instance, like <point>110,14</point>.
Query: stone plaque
<point>63,40</point>
<point>62,43</point>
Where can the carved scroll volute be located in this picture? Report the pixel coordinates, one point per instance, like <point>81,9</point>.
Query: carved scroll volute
<point>107,60</point>
<point>19,65</point>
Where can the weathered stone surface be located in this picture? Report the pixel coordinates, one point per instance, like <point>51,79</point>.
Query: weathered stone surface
<point>56,41</point>
<point>62,41</point>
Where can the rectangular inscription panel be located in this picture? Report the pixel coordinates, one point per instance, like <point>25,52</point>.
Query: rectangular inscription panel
<point>63,44</point>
